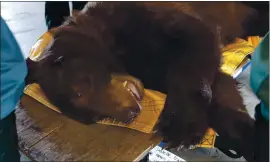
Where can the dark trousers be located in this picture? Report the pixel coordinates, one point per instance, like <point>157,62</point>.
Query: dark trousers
<point>9,151</point>
<point>56,11</point>
<point>261,137</point>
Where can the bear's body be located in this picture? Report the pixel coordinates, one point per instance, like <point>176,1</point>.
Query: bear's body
<point>172,47</point>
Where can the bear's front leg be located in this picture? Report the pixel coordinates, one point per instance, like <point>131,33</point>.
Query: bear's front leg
<point>229,118</point>
<point>193,60</point>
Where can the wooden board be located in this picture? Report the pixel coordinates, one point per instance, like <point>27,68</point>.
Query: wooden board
<point>45,135</point>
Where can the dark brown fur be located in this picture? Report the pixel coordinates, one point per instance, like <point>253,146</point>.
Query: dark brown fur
<point>172,47</point>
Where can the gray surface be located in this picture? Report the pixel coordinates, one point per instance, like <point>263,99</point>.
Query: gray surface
<point>27,21</point>
<point>24,158</point>
<point>250,99</point>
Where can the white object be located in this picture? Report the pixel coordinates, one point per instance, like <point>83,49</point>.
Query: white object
<point>159,154</point>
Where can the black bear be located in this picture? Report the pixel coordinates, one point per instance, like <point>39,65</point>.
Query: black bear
<point>172,47</point>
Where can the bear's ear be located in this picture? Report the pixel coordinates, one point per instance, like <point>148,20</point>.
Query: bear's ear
<point>31,67</point>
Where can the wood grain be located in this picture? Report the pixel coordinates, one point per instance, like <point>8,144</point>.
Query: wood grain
<point>45,135</point>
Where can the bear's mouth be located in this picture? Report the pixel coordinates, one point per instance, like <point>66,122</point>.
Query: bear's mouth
<point>130,87</point>
<point>132,84</point>
<point>126,92</point>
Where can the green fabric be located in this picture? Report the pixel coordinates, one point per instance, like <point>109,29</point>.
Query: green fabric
<point>259,77</point>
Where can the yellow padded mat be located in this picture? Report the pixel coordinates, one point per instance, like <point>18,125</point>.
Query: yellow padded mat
<point>254,40</point>
<point>153,101</point>
<point>234,54</point>
<point>152,105</point>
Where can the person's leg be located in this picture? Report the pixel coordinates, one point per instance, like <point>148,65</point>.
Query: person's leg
<point>261,137</point>
<point>55,13</point>
<point>78,5</point>
<point>9,151</point>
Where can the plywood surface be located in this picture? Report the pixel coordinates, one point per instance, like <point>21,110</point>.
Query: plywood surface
<point>45,135</point>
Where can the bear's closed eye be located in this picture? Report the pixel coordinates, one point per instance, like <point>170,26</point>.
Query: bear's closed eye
<point>79,94</point>
<point>59,60</point>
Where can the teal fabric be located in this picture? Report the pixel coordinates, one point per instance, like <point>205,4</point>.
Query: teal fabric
<point>259,77</point>
<point>265,111</point>
<point>13,71</point>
